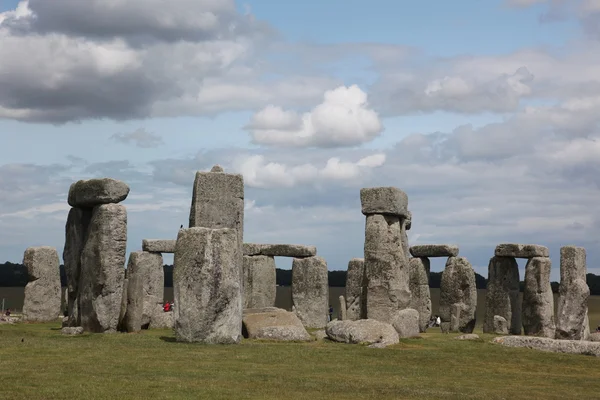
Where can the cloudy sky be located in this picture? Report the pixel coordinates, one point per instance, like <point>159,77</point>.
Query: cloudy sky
<point>484,112</point>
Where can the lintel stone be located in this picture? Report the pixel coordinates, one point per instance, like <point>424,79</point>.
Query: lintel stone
<point>521,250</point>
<point>434,250</point>
<point>279,250</point>
<point>384,200</point>
<point>159,245</point>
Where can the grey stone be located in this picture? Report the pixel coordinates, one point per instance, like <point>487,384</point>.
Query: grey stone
<point>72,330</point>
<point>550,345</point>
<point>468,336</point>
<point>363,331</point>
<point>386,268</point>
<point>103,269</point>
<point>319,334</point>
<point>384,200</point>
<point>500,325</point>
<point>93,192</point>
<point>207,286</point>
<point>405,224</point>
<point>260,285</point>
<point>521,250</point>
<point>419,289</point>
<point>573,294</point>
<point>458,295</point>
<point>502,295</point>
<point>132,320</point>
<point>159,245</point>
<point>342,314</point>
<point>434,250</point>
<point>356,290</point>
<point>310,291</point>
<point>43,291</point>
<point>216,168</point>
<point>538,301</point>
<point>76,232</point>
<point>279,250</point>
<point>594,337</point>
<point>408,222</point>
<point>121,325</point>
<point>149,267</point>
<point>163,320</point>
<point>273,324</point>
<point>406,323</point>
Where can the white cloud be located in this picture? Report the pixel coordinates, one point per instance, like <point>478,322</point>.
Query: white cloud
<point>344,118</point>
<point>140,137</point>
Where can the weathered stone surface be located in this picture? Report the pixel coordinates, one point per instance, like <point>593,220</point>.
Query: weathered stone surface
<point>279,250</point>
<point>551,345</point>
<point>121,325</point>
<point>216,168</point>
<point>594,337</point>
<point>310,291</point>
<point>42,292</point>
<point>500,326</point>
<point>406,323</point>
<point>103,269</point>
<point>342,312</point>
<point>76,232</point>
<point>356,290</point>
<point>521,250</point>
<point>502,295</point>
<point>434,250</point>
<point>467,336</point>
<point>386,268</point>
<point>384,200</point>
<point>148,266</point>
<point>538,302</point>
<point>573,294</point>
<point>132,320</point>
<point>93,192</point>
<point>72,330</point>
<point>319,334</point>
<point>260,285</point>
<point>419,288</point>
<point>159,245</point>
<point>274,324</point>
<point>405,224</point>
<point>458,295</point>
<point>207,286</point>
<point>366,331</point>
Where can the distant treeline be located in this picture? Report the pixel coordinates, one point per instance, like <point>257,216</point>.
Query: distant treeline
<point>15,275</point>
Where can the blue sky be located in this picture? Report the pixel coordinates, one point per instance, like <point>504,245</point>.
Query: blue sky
<point>485,115</point>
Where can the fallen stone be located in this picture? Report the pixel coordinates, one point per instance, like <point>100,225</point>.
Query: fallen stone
<point>573,294</point>
<point>502,295</point>
<point>468,336</point>
<point>538,301</point>
<point>319,334</point>
<point>103,269</point>
<point>365,331</point>
<point>550,345</point>
<point>93,192</point>
<point>384,200</point>
<point>43,291</point>
<point>159,245</point>
<point>521,250</point>
<point>419,289</point>
<point>310,291</point>
<point>406,323</point>
<point>273,324</point>
<point>458,295</point>
<point>387,270</point>
<point>500,326</point>
<point>279,250</point>
<point>207,286</point>
<point>72,330</point>
<point>260,286</point>
<point>434,250</point>
<point>356,290</point>
<point>594,337</point>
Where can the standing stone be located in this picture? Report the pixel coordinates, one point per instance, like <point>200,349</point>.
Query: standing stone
<point>406,323</point>
<point>502,296</point>
<point>132,320</point>
<point>458,295</point>
<point>538,302</point>
<point>500,325</point>
<point>42,293</point>
<point>121,325</point>
<point>102,269</point>
<point>310,291</point>
<point>260,285</point>
<point>149,266</point>
<point>573,294</point>
<point>207,289</point>
<point>76,232</point>
<point>386,268</point>
<point>342,315</point>
<point>406,224</point>
<point>419,290</point>
<point>356,290</point>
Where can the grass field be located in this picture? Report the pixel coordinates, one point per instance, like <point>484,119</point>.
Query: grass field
<point>37,362</point>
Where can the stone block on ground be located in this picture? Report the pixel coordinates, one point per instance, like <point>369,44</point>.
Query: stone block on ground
<point>467,336</point>
<point>310,291</point>
<point>356,290</point>
<point>159,245</point>
<point>434,250</point>
<point>406,323</point>
<point>538,301</point>
<point>72,330</point>
<point>551,345</point>
<point>43,291</point>
<point>594,337</point>
<point>573,295</point>
<point>502,295</point>
<point>521,250</point>
<point>366,331</point>
<point>93,192</point>
<point>384,200</point>
<point>419,289</point>
<point>273,324</point>
<point>500,325</point>
<point>458,295</point>
<point>260,284</point>
<point>279,250</point>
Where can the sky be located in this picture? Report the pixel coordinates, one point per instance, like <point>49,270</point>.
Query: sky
<point>486,113</point>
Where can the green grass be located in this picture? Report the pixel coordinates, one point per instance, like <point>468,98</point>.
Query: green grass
<point>37,362</point>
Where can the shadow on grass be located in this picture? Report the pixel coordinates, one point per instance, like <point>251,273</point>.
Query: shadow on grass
<point>169,339</point>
